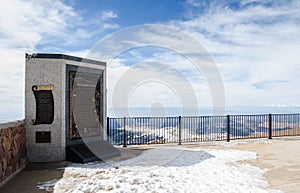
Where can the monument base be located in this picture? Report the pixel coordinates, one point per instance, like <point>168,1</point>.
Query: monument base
<point>82,154</point>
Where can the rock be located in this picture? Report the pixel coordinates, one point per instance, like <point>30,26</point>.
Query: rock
<point>12,150</point>
<point>15,149</point>
<point>1,152</point>
<point>4,164</point>
<point>19,143</point>
<point>20,140</point>
<point>9,157</point>
<point>13,131</point>
<point>20,129</point>
<point>14,165</point>
<point>6,143</point>
<point>5,132</point>
<point>8,172</point>
<point>1,174</point>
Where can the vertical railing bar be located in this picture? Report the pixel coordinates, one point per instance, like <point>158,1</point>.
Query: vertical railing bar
<point>107,130</point>
<point>228,128</point>
<point>232,129</point>
<point>245,125</point>
<point>209,135</point>
<point>293,124</point>
<point>116,131</point>
<point>232,126</point>
<point>163,132</point>
<point>186,133</point>
<point>201,128</point>
<point>187,130</point>
<point>211,128</point>
<point>241,120</point>
<point>134,122</point>
<point>147,129</point>
<point>258,126</point>
<point>270,126</point>
<point>192,132</point>
<point>297,124</point>
<point>124,134</point>
<point>179,126</point>
<point>274,125</point>
<point>116,124</point>
<point>138,123</point>
<point>119,126</point>
<point>285,125</point>
<point>158,123</point>
<point>193,129</point>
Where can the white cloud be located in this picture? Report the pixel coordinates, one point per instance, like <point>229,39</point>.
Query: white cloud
<point>23,24</point>
<point>108,15</point>
<point>167,46</point>
<point>253,44</point>
<point>50,25</point>
<point>164,74</point>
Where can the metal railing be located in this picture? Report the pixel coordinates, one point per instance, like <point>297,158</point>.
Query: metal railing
<point>154,130</point>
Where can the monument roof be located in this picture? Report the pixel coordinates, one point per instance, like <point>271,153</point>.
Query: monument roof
<point>66,57</point>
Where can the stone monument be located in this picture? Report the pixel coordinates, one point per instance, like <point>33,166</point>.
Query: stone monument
<point>54,131</point>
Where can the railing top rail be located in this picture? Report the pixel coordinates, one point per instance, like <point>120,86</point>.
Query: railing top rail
<point>174,117</point>
<point>249,115</point>
<point>205,116</point>
<point>281,114</point>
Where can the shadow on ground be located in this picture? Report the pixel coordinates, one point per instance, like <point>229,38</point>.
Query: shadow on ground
<point>27,180</point>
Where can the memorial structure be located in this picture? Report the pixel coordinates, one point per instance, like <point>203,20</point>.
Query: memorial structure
<point>65,108</point>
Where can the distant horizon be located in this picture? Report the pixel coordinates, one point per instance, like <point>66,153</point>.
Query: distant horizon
<point>204,111</point>
<point>207,110</point>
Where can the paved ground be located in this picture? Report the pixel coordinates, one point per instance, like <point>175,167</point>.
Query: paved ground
<point>26,181</point>
<point>281,158</point>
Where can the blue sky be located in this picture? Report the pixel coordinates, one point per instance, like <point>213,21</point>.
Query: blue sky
<point>255,45</point>
<point>117,14</point>
<point>134,12</point>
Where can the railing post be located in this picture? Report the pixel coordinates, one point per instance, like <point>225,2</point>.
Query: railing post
<point>228,128</point>
<point>124,134</point>
<point>270,126</point>
<point>107,129</point>
<point>179,126</point>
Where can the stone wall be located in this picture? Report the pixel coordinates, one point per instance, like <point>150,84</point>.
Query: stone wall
<point>12,149</point>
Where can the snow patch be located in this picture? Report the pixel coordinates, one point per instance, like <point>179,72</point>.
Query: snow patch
<point>48,185</point>
<point>167,170</point>
<point>233,143</point>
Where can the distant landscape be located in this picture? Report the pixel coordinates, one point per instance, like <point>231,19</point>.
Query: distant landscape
<point>203,111</point>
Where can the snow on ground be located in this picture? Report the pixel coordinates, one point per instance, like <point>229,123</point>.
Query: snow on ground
<point>166,170</point>
<point>235,142</point>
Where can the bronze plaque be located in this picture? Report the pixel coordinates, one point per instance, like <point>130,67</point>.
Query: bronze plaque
<point>43,137</point>
<point>85,101</point>
<point>44,104</point>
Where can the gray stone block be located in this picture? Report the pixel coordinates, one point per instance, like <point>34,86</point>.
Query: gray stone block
<point>50,69</point>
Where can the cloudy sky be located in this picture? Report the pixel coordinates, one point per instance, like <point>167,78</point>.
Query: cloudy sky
<point>254,44</point>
